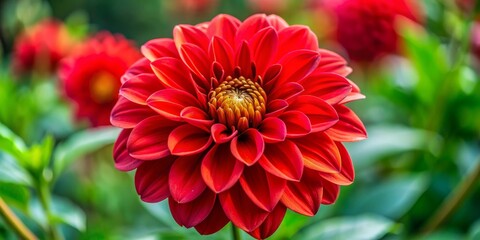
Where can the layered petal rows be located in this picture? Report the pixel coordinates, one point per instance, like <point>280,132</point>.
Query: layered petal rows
<point>90,79</point>
<point>237,121</point>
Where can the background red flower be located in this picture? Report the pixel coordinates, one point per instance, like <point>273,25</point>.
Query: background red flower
<point>366,28</point>
<point>90,77</point>
<point>40,48</point>
<point>237,121</point>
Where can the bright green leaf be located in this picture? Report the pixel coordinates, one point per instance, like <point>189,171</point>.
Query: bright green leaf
<point>391,198</point>
<point>12,172</point>
<point>81,144</point>
<point>17,195</point>
<point>11,144</point>
<point>353,228</point>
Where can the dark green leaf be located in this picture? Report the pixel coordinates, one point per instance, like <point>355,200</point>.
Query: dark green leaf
<point>391,198</point>
<point>353,228</point>
<point>391,140</point>
<point>66,212</point>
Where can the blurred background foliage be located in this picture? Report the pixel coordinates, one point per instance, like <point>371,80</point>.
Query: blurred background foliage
<point>420,162</point>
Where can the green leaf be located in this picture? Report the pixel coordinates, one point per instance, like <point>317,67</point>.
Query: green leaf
<point>12,172</point>
<point>161,212</point>
<point>352,228</point>
<point>66,212</point>
<point>15,194</point>
<point>391,198</point>
<point>474,232</point>
<point>389,140</point>
<point>39,155</point>
<point>81,144</point>
<point>12,144</point>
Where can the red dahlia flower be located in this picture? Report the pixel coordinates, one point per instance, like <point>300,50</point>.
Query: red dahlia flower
<point>365,28</point>
<point>41,47</point>
<point>91,75</point>
<point>237,121</point>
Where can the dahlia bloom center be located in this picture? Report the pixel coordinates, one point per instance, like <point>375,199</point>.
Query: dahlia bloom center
<point>238,103</point>
<point>103,87</point>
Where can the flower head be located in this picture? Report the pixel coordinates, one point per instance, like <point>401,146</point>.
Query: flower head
<point>365,28</point>
<point>237,121</point>
<point>91,75</point>
<point>40,48</point>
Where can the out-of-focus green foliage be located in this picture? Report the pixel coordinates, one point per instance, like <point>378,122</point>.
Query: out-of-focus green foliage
<point>422,114</point>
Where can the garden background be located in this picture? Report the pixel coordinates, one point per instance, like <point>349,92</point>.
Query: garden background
<point>417,174</point>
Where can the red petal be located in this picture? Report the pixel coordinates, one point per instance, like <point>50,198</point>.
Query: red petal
<point>297,123</point>
<point>271,76</point>
<point>215,221</point>
<point>264,47</point>
<point>304,197</point>
<point>250,27</point>
<point>263,188</point>
<point>192,213</point>
<point>271,223</point>
<point>277,22</point>
<point>196,117</point>
<point>295,38</point>
<point>330,87</point>
<point>241,210</point>
<point>221,134</point>
<point>197,61</point>
<point>189,34</point>
<point>185,179</point>
<point>148,140</point>
<point>287,92</point>
<point>244,60</point>
<point>170,102</point>
<point>160,47</point>
<point>123,161</point>
<point>188,140</point>
<point>174,74</point>
<point>349,127</point>
<point>126,114</point>
<point>151,180</point>
<point>248,146</point>
<point>333,63</point>
<point>319,152</point>
<point>276,107</point>
<point>353,96</point>
<point>137,89</point>
<point>273,130</point>
<point>142,66</point>
<point>221,52</point>
<point>321,114</point>
<point>220,169</point>
<point>225,27</point>
<point>283,159</point>
<point>347,174</point>
<point>330,192</point>
<point>296,65</point>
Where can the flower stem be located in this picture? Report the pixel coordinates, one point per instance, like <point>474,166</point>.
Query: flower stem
<point>235,233</point>
<point>452,202</point>
<point>17,225</point>
<point>45,197</point>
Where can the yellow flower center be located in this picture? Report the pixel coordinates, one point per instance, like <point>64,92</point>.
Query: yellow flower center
<point>103,87</point>
<point>237,102</point>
